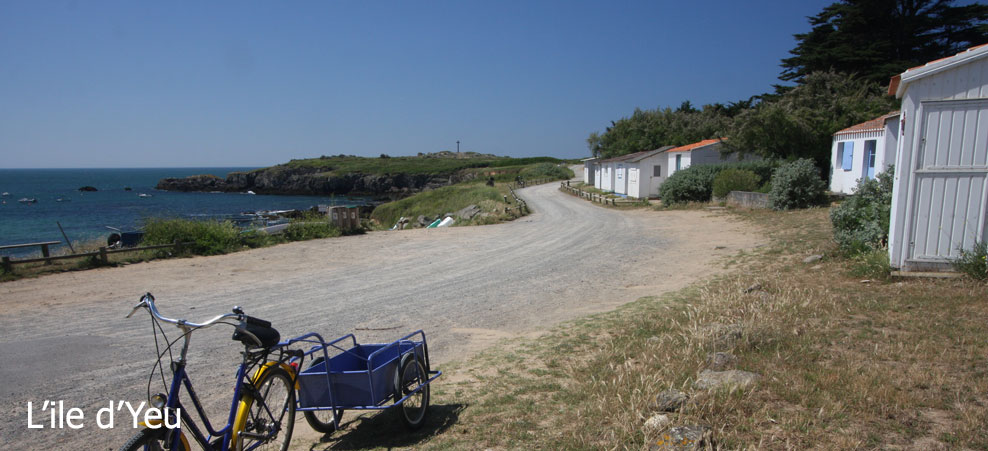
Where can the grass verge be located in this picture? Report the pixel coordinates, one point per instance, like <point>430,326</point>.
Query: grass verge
<point>843,364</point>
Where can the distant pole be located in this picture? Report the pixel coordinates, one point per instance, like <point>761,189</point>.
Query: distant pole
<point>457,146</point>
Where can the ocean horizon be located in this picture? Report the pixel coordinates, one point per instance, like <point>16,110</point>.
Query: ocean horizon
<point>86,216</point>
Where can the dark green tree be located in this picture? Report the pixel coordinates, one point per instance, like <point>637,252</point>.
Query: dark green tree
<point>801,122</point>
<point>651,129</point>
<point>877,39</point>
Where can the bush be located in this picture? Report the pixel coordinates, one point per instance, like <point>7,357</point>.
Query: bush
<point>873,264</point>
<point>796,184</point>
<point>310,230</point>
<point>208,237</point>
<point>693,184</point>
<point>974,262</point>
<point>861,222</point>
<point>735,180</point>
<point>546,170</point>
<point>696,183</point>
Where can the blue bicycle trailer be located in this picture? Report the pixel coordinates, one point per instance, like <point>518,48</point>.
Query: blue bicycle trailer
<point>346,375</point>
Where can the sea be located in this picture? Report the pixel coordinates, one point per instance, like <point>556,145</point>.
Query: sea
<point>94,215</point>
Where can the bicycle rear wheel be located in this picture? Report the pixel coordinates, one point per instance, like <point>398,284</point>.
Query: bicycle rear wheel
<point>266,416</point>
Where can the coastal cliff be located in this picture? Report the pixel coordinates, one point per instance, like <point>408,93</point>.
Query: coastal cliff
<point>362,176</point>
<point>312,181</point>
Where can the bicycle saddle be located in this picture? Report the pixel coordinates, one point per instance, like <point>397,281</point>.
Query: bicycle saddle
<point>261,329</point>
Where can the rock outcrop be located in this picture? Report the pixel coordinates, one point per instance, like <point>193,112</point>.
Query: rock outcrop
<point>310,181</point>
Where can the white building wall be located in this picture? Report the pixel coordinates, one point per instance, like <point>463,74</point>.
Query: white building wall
<point>845,181</point>
<point>620,178</point>
<point>935,198</point>
<point>683,164</point>
<point>634,180</point>
<point>648,183</point>
<point>606,177</point>
<point>597,182</point>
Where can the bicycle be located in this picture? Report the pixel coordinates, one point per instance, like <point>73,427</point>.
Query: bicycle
<point>262,412</point>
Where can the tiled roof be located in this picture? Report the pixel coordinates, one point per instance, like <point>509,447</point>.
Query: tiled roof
<point>877,123</point>
<point>697,145</point>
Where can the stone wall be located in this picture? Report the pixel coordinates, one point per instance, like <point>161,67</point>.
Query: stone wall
<point>747,199</point>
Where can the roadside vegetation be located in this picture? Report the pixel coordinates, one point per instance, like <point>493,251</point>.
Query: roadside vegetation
<point>205,237</point>
<point>842,363</point>
<point>494,203</point>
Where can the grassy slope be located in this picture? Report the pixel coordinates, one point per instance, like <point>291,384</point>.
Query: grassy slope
<point>450,199</point>
<point>844,364</point>
<point>447,199</point>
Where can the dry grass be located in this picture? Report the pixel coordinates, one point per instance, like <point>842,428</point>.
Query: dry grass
<point>844,364</point>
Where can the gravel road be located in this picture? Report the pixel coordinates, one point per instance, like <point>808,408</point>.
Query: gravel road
<point>64,336</point>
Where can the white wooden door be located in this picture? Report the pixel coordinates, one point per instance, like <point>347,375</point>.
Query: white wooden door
<point>948,188</point>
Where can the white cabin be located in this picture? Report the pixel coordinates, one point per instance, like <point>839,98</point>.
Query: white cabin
<point>862,151</point>
<point>707,151</point>
<point>940,190</point>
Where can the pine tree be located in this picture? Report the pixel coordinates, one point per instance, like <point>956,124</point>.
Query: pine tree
<point>877,39</point>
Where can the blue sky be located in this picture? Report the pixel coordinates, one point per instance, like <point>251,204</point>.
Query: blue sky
<point>166,84</point>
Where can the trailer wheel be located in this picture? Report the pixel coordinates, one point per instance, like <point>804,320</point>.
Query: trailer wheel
<point>411,373</point>
<point>322,420</point>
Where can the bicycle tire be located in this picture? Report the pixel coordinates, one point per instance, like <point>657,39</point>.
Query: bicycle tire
<point>266,420</point>
<point>149,439</point>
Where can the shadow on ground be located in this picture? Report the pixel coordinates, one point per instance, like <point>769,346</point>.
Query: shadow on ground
<point>385,430</point>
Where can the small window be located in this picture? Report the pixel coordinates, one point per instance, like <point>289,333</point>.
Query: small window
<point>657,170</point>
<point>679,162</point>
<point>847,155</point>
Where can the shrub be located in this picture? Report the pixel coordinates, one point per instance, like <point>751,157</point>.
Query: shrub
<point>735,180</point>
<point>546,170</point>
<point>310,230</point>
<point>208,237</point>
<point>256,238</point>
<point>796,184</point>
<point>861,222</point>
<point>873,264</point>
<point>695,183</point>
<point>974,262</point>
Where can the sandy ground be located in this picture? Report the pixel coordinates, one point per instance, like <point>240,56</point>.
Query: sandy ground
<point>64,336</point>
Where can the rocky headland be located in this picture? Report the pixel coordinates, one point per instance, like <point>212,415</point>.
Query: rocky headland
<point>313,181</point>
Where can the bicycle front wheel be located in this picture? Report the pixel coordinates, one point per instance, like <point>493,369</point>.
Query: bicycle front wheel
<point>149,439</point>
<point>266,415</point>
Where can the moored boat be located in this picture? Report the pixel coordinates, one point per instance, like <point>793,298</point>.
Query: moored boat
<point>28,200</point>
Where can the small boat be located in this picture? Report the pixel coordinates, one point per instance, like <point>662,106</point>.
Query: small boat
<point>251,192</point>
<point>28,200</point>
<point>62,199</point>
<point>143,195</point>
<point>5,194</point>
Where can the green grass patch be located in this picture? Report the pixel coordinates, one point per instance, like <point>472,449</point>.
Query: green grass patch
<point>208,237</point>
<point>447,199</point>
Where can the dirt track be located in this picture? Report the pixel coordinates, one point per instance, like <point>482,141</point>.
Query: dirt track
<point>64,336</point>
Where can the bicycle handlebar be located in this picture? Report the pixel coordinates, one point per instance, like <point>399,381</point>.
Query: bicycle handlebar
<point>147,301</point>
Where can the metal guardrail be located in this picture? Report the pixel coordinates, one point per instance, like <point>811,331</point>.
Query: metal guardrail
<point>103,254</point>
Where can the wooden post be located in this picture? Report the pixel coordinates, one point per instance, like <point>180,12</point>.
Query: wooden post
<point>45,254</point>
<point>102,255</point>
<point>6,264</point>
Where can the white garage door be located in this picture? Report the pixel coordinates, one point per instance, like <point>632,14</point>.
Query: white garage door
<point>949,192</point>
